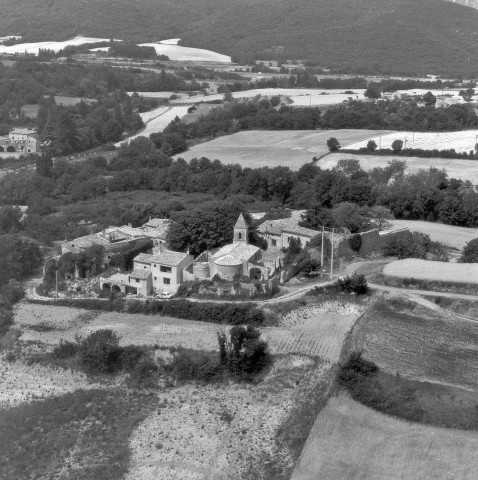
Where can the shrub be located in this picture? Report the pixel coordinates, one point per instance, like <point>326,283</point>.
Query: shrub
<point>355,242</point>
<point>354,368</point>
<point>100,352</point>
<point>355,283</point>
<point>65,350</point>
<point>145,374</point>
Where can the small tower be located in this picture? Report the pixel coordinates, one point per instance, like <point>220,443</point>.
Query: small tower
<point>241,230</point>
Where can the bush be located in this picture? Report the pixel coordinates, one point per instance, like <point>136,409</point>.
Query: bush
<point>356,283</point>
<point>100,352</point>
<point>355,242</point>
<point>194,365</point>
<point>65,350</point>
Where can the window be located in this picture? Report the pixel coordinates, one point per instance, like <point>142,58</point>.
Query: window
<point>144,266</point>
<point>274,243</point>
<point>155,278</point>
<point>137,280</point>
<point>239,235</point>
<point>165,269</point>
<point>154,265</point>
<point>167,281</point>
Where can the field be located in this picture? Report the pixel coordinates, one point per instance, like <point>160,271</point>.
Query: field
<point>460,169</point>
<point>462,141</point>
<point>299,96</point>
<point>186,432</point>
<point>314,330</point>
<point>55,46</point>
<point>434,271</point>
<point>290,148</point>
<point>350,441</point>
<point>157,120</point>
<point>419,343</point>
<point>179,53</point>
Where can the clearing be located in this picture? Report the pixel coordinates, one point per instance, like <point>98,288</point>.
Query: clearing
<point>351,441</point>
<point>156,121</point>
<point>261,148</point>
<point>460,169</point>
<point>451,235</point>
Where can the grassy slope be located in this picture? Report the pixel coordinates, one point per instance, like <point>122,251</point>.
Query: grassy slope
<point>430,36</point>
<point>350,441</point>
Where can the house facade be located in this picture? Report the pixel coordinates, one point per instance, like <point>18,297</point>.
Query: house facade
<point>20,140</point>
<point>279,233</point>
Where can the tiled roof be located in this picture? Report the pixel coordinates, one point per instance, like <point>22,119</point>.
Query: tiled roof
<point>289,225</point>
<point>23,131</point>
<point>88,241</point>
<point>242,251</point>
<point>228,260</point>
<point>166,257</point>
<point>273,253</point>
<point>241,223</point>
<point>140,273</point>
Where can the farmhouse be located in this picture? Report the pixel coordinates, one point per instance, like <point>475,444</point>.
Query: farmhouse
<point>278,233</point>
<point>20,140</point>
<point>116,238</point>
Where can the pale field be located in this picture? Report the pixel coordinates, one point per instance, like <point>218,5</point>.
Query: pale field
<point>299,96</point>
<point>156,121</point>
<point>460,169</point>
<point>178,53</point>
<point>221,432</point>
<point>55,46</point>
<point>419,343</point>
<point>462,141</point>
<point>350,441</point>
<point>262,148</point>
<point>428,270</point>
<point>317,331</point>
<point>456,237</point>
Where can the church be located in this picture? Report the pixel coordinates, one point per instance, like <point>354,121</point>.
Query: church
<point>238,259</point>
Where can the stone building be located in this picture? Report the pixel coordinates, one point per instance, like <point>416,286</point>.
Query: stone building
<point>20,140</point>
<point>278,233</point>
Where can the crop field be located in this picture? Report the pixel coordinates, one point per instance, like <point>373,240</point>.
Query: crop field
<point>179,53</point>
<point>317,331</point>
<point>428,270</point>
<point>462,141</point>
<point>459,169</point>
<point>456,237</point>
<point>157,120</point>
<point>419,343</point>
<point>260,148</point>
<point>350,441</point>
<point>300,96</point>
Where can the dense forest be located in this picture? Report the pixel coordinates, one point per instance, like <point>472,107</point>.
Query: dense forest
<point>172,187</point>
<point>391,36</point>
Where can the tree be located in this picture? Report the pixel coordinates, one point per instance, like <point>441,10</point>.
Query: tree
<point>371,146</point>
<point>380,216</point>
<point>350,216</point>
<point>429,99</point>
<point>333,144</point>
<point>470,252</point>
<point>10,220</point>
<point>397,146</point>
<point>317,217</point>
<point>373,91</point>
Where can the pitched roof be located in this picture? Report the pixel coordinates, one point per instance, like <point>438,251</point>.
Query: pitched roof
<point>242,251</point>
<point>289,225</point>
<point>241,222</point>
<point>23,131</point>
<point>228,260</point>
<point>166,257</point>
<point>88,241</point>
<point>140,273</point>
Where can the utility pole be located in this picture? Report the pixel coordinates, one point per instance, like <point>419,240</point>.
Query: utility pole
<point>332,256</point>
<point>322,251</point>
<point>56,278</point>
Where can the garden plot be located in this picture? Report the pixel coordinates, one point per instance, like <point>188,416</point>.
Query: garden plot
<point>350,441</point>
<point>260,148</point>
<point>419,343</point>
<point>460,169</point>
<point>434,271</point>
<point>156,121</point>
<point>462,141</point>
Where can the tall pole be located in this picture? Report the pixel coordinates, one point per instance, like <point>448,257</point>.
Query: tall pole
<point>56,278</point>
<point>322,251</point>
<point>332,256</point>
